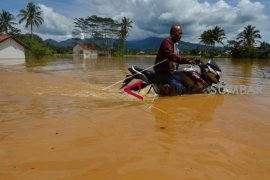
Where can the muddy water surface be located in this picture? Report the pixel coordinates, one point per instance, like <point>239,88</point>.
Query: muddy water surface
<point>58,122</point>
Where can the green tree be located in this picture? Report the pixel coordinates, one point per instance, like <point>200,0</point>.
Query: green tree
<point>103,30</point>
<point>94,22</point>
<point>81,27</point>
<point>248,36</point>
<point>126,26</point>
<point>212,36</point>
<point>107,28</point>
<point>32,16</point>
<point>36,48</point>
<point>207,39</point>
<point>235,47</point>
<point>218,35</point>
<point>247,39</point>
<point>263,45</point>
<point>7,23</point>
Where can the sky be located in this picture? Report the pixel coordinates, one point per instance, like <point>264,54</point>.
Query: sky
<point>151,18</point>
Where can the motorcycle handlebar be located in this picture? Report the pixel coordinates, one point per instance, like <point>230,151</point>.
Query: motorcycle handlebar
<point>198,62</point>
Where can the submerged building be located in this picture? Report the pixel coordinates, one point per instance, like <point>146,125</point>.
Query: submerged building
<point>86,51</point>
<point>12,51</point>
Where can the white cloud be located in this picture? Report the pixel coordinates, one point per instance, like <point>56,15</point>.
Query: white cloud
<point>54,24</point>
<point>154,17</point>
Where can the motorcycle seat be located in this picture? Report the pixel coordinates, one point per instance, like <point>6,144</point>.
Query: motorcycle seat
<point>146,75</point>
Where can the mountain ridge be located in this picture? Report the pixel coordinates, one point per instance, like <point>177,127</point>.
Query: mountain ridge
<point>147,44</point>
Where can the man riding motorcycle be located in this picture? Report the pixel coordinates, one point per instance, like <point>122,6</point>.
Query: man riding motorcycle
<point>168,54</point>
<point>166,80</point>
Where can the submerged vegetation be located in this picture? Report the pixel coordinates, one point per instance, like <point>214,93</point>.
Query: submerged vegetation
<point>37,49</point>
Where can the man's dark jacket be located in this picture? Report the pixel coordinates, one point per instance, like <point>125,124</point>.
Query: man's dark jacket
<point>166,51</point>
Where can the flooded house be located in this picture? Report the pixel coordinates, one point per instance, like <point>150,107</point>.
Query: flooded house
<point>85,51</point>
<point>11,50</point>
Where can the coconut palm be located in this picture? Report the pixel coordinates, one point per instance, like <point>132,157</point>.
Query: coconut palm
<point>126,26</point>
<point>247,40</point>
<point>207,38</point>
<point>7,24</point>
<point>32,16</point>
<point>263,45</point>
<point>218,35</point>
<point>248,36</point>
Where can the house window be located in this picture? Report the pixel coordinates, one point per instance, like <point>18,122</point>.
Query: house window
<point>81,52</point>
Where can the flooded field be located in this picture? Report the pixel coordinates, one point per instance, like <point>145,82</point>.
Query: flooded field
<point>58,122</point>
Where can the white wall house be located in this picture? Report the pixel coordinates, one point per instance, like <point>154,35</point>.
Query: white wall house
<point>11,50</point>
<point>85,51</point>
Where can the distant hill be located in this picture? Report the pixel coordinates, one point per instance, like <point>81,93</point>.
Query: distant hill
<point>66,43</point>
<point>51,42</point>
<point>148,44</point>
<point>153,43</point>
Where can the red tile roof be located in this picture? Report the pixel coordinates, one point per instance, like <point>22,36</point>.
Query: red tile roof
<point>88,46</point>
<point>4,37</point>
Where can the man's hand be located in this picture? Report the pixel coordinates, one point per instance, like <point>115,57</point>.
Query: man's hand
<point>190,61</point>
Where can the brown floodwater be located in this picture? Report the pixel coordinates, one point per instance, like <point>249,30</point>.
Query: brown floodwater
<point>59,121</point>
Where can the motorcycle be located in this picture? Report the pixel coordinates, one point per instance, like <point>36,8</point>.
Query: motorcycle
<point>199,78</point>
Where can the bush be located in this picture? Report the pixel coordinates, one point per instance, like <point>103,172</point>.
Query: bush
<point>37,49</point>
<point>244,52</point>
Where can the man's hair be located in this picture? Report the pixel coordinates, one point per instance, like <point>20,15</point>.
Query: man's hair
<point>173,28</point>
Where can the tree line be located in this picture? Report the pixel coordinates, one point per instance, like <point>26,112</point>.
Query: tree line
<point>97,28</point>
<point>245,44</point>
<point>105,29</point>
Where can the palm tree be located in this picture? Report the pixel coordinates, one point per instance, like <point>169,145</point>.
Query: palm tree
<point>32,16</point>
<point>126,26</point>
<point>247,40</point>
<point>218,35</point>
<point>207,38</point>
<point>6,23</point>
<point>248,36</point>
<point>263,45</point>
